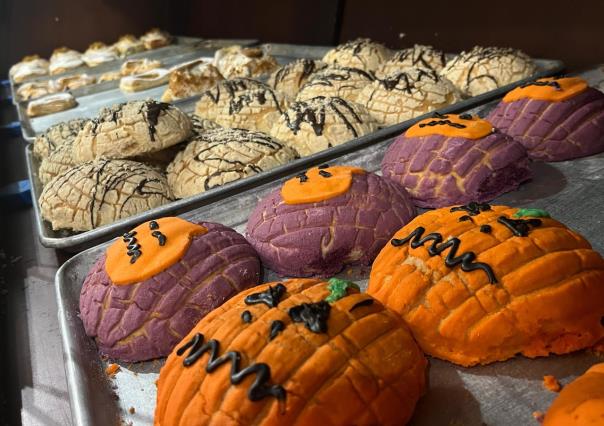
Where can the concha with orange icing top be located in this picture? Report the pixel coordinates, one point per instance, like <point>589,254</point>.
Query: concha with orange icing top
<point>156,282</point>
<point>480,283</point>
<point>293,353</point>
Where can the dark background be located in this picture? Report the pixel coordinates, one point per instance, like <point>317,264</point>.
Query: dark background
<point>571,31</point>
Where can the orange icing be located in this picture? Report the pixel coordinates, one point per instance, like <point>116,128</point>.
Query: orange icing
<point>581,402</point>
<point>475,128</point>
<point>154,258</point>
<point>315,187</point>
<point>569,87</point>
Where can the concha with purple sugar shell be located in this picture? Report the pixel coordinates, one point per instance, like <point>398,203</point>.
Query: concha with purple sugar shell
<point>146,319</point>
<point>554,130</point>
<point>326,219</point>
<point>455,159</point>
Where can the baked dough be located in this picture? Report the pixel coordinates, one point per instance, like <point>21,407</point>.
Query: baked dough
<point>30,66</point>
<point>487,68</point>
<point>72,82</point>
<point>64,59</point>
<point>57,162</point>
<point>406,95</point>
<point>201,125</point>
<point>129,44</point>
<point>341,82</point>
<point>191,79</point>
<point>243,103</point>
<point>57,135</point>
<point>220,156</point>
<point>138,66</point>
<point>147,80</point>
<point>291,77</point>
<point>320,123</point>
<point>99,53</point>
<point>110,76</point>
<point>156,38</point>
<point>236,61</point>
<point>50,104</point>
<point>418,56</point>
<point>361,53</point>
<point>100,192</point>
<point>32,90</point>
<point>130,129</point>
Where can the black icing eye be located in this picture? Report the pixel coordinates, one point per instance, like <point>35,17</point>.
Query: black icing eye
<point>324,173</point>
<point>323,166</point>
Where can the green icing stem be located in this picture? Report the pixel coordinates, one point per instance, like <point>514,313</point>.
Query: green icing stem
<point>338,288</point>
<point>531,213</point>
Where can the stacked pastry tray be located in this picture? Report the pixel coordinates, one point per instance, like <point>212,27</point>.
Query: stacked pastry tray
<point>504,393</point>
<point>93,97</point>
<point>76,242</point>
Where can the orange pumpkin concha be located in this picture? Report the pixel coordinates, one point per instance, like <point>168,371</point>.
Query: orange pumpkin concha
<point>303,351</point>
<point>480,283</point>
<point>580,402</point>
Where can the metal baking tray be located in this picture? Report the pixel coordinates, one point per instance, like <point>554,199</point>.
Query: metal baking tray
<point>504,393</point>
<point>296,50</point>
<point>75,242</point>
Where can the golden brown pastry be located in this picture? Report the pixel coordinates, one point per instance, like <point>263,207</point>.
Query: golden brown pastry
<point>406,95</point>
<point>64,59</point>
<point>99,53</point>
<point>156,38</point>
<point>297,352</point>
<point>50,104</point>
<point>33,90</point>
<point>320,123</point>
<point>361,53</point>
<point>201,125</point>
<point>130,129</point>
<point>236,61</point>
<point>418,56</point>
<point>138,66</point>
<point>487,68</point>
<point>56,135</point>
<point>57,162</point>
<point>147,80</point>
<point>110,76</point>
<point>30,66</point>
<point>191,79</point>
<point>480,283</point>
<point>72,82</point>
<point>341,82</point>
<point>129,44</point>
<point>100,192</point>
<point>291,77</point>
<point>220,156</point>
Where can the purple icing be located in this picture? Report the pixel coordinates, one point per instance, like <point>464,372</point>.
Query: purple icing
<point>555,131</point>
<point>321,238</point>
<point>440,171</point>
<point>146,320</point>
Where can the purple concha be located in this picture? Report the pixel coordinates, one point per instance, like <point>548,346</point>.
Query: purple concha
<point>440,171</point>
<point>320,239</point>
<point>146,320</point>
<point>555,131</point>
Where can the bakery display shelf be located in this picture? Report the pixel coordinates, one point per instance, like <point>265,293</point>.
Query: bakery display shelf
<point>75,242</point>
<point>498,394</point>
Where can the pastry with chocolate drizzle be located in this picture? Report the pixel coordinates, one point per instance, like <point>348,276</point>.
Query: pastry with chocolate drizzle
<point>556,119</point>
<point>319,123</point>
<point>333,81</point>
<point>132,129</point>
<point>100,192</point>
<point>219,156</point>
<point>56,135</point>
<point>418,56</point>
<point>292,76</point>
<point>452,159</point>
<point>191,79</point>
<point>326,219</point>
<point>236,61</point>
<point>483,69</point>
<point>362,53</point>
<point>406,95</point>
<point>480,283</point>
<point>290,362</point>
<point>158,280</point>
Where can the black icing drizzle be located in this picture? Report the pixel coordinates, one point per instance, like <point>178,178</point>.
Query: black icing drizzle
<point>418,55</point>
<point>405,81</point>
<point>160,237</point>
<point>246,316</point>
<point>519,227</point>
<point>152,112</point>
<point>486,229</point>
<point>433,123</point>
<point>473,208</point>
<point>308,67</point>
<point>258,390</point>
<point>276,328</point>
<point>133,247</point>
<point>270,297</point>
<point>313,315</point>
<point>364,302</point>
<point>552,83</point>
<point>466,260</point>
